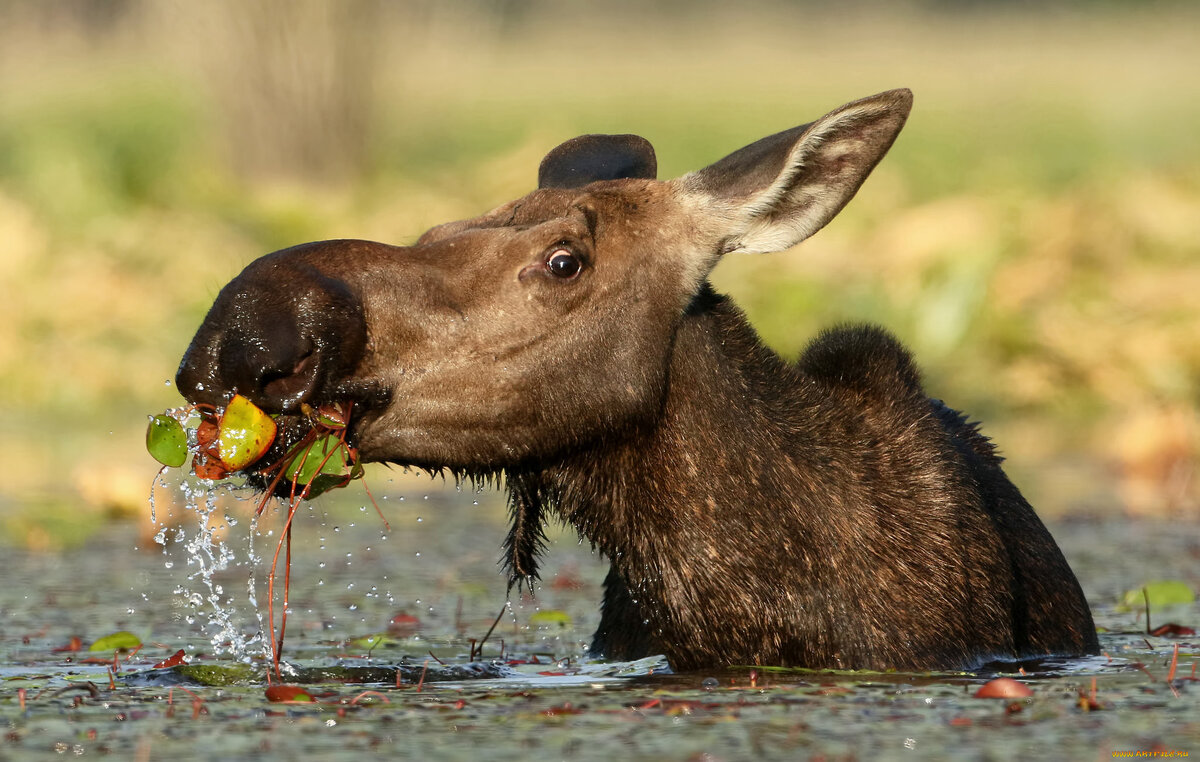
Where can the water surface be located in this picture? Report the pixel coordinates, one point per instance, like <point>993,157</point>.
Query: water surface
<point>351,576</point>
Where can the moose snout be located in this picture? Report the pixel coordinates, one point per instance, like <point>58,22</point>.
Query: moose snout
<point>282,333</point>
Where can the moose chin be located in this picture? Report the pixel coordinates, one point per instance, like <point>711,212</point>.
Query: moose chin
<point>822,512</point>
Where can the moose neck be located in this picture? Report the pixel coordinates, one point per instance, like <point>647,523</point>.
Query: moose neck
<point>667,488</point>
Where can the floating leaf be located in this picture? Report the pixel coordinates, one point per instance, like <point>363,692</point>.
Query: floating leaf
<point>1005,688</point>
<point>246,433</point>
<point>217,674</point>
<point>166,441</point>
<point>288,694</point>
<point>370,642</point>
<point>404,624</point>
<point>75,644</point>
<point>549,617</point>
<point>174,660</point>
<point>1166,592</point>
<point>118,641</point>
<point>1172,630</point>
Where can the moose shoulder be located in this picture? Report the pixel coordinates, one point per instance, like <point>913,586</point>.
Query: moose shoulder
<point>821,513</point>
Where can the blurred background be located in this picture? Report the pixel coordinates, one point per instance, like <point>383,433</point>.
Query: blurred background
<point>1034,235</point>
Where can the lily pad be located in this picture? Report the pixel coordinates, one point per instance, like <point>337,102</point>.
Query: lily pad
<point>217,674</point>
<point>246,432</point>
<point>550,617</point>
<point>371,642</point>
<point>118,641</point>
<point>1004,688</point>
<point>322,465</point>
<point>166,441</point>
<point>288,694</point>
<point>1163,592</point>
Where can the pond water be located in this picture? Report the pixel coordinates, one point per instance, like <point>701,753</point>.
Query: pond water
<point>530,694</point>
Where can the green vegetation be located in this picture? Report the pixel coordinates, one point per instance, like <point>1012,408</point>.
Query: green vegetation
<point>1033,234</point>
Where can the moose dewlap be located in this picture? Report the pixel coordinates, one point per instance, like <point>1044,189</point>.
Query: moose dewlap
<point>820,513</point>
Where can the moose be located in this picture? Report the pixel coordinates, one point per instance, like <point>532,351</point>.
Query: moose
<point>822,512</point>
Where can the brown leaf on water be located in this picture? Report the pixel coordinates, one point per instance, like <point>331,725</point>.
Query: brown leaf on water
<point>1005,688</point>
<point>1172,630</point>
<point>288,694</point>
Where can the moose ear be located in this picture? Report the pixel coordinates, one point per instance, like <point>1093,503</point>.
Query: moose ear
<point>589,158</point>
<point>780,190</point>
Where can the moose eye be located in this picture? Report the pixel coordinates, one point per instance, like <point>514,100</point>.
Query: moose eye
<point>563,264</point>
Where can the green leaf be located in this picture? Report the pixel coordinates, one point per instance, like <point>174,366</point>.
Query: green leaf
<point>166,441</point>
<point>370,642</point>
<point>324,457</point>
<point>217,674</point>
<point>323,484</point>
<point>118,641</point>
<point>550,617</point>
<point>245,433</point>
<point>1163,592</point>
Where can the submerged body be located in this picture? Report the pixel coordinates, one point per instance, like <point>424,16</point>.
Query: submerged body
<point>823,513</point>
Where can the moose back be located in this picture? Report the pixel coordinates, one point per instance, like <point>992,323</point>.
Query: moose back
<point>818,513</point>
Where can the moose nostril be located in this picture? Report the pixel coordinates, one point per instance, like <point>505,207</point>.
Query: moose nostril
<point>289,388</point>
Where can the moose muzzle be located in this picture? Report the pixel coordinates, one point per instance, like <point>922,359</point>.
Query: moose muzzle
<point>282,333</point>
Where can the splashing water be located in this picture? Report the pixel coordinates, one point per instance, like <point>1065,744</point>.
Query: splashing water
<point>213,554</point>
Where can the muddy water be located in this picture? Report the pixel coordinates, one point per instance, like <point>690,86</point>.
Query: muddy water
<point>436,564</point>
